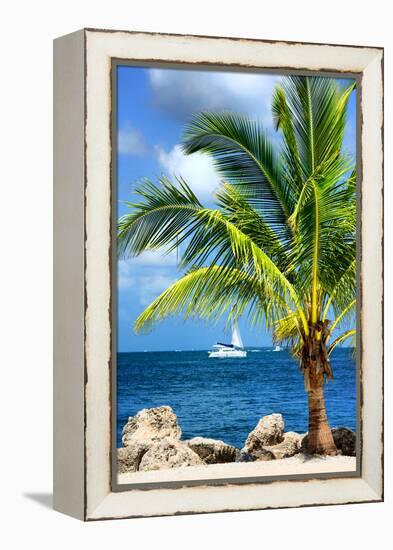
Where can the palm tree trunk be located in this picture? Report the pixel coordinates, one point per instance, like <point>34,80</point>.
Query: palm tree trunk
<point>320,438</point>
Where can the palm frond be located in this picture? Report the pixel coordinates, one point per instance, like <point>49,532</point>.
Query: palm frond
<point>242,214</point>
<point>324,220</point>
<point>245,157</point>
<point>208,293</point>
<point>344,290</point>
<point>284,122</point>
<point>344,314</point>
<point>246,255</point>
<point>348,334</point>
<point>165,211</point>
<point>173,217</point>
<point>317,107</point>
<point>288,328</point>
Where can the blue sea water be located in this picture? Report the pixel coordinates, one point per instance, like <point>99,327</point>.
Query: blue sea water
<point>224,398</point>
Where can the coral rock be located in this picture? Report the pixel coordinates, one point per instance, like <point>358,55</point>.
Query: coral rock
<point>151,424</point>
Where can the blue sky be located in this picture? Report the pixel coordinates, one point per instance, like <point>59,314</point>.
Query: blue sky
<point>153,106</point>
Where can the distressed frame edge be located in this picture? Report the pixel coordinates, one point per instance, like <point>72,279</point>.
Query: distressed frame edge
<point>234,38</point>
<point>374,496</point>
<point>69,489</point>
<point>373,143</point>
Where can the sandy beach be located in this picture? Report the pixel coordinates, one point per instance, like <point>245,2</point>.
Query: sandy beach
<point>299,464</point>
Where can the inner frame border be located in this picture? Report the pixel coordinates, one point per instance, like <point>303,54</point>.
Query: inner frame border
<point>225,67</point>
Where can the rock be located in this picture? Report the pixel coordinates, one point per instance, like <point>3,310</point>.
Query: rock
<point>262,455</point>
<point>295,437</point>
<point>290,446</point>
<point>269,431</point>
<point>345,440</point>
<point>168,453</point>
<point>151,424</point>
<point>129,458</point>
<point>242,456</point>
<point>213,451</point>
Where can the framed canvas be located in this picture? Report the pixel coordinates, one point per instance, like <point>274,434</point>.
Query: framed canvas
<point>218,224</point>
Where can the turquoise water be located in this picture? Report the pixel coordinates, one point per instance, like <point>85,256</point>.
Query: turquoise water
<point>224,398</point>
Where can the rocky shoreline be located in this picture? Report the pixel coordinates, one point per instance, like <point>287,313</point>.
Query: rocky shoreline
<point>152,441</point>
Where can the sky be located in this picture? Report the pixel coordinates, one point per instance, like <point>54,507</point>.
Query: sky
<point>154,104</point>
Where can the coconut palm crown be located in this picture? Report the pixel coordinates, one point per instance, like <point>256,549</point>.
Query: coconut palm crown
<point>279,248</point>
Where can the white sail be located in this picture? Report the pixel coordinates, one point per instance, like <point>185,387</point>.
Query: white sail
<point>227,351</point>
<point>236,338</point>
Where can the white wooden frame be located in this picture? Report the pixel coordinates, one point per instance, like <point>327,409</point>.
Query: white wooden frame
<point>82,381</point>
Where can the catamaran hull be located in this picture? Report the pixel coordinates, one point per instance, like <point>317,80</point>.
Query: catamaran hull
<point>227,351</point>
<point>223,354</point>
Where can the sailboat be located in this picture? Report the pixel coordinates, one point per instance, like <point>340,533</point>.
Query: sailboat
<point>277,348</point>
<point>234,349</point>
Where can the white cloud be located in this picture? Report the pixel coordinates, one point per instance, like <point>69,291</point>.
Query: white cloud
<point>197,170</point>
<point>147,275</point>
<point>151,286</point>
<point>183,93</point>
<point>131,141</point>
<point>155,258</point>
<point>125,279</point>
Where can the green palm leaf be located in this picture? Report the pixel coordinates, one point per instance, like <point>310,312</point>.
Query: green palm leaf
<point>164,211</point>
<point>245,157</point>
<point>208,293</point>
<point>317,108</point>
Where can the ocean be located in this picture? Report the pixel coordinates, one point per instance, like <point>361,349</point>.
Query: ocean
<point>225,398</point>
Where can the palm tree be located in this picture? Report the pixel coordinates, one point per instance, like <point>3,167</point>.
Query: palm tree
<point>279,247</point>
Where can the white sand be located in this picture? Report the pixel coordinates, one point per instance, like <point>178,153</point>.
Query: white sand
<point>297,465</point>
